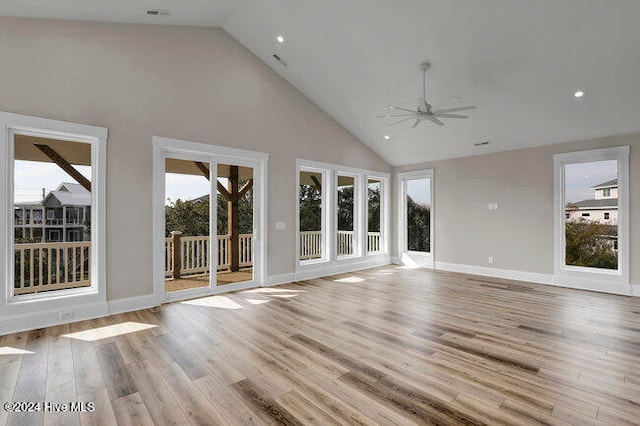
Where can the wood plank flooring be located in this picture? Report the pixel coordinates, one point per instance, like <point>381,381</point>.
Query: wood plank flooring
<point>388,346</point>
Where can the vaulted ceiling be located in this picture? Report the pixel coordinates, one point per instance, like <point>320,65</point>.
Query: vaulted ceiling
<point>520,62</point>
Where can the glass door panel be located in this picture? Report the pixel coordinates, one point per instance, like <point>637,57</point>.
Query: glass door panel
<point>235,224</point>
<point>187,224</point>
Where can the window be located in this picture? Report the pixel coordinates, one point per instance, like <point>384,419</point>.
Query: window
<point>418,214</point>
<point>606,192</point>
<point>374,215</point>
<point>341,218</point>
<point>588,250</point>
<point>69,161</point>
<point>416,217</point>
<point>345,201</point>
<point>311,218</point>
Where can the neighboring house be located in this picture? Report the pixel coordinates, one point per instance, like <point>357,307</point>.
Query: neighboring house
<point>64,215</point>
<point>603,208</point>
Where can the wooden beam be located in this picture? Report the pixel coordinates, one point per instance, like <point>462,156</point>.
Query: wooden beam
<point>65,165</point>
<point>246,188</point>
<point>205,172</point>
<point>316,182</point>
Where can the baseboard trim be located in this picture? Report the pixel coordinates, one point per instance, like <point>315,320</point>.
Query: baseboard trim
<point>50,318</point>
<point>507,274</point>
<point>539,278</point>
<point>130,304</point>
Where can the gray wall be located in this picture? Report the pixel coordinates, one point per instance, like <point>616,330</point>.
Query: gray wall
<point>520,233</point>
<point>196,84</point>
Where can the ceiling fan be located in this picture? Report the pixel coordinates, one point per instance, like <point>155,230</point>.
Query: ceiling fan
<point>425,111</point>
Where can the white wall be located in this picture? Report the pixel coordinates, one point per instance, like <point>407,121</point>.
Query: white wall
<point>188,83</point>
<point>519,235</point>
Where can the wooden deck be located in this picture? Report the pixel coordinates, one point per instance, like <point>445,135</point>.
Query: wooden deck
<point>384,346</point>
<point>245,274</point>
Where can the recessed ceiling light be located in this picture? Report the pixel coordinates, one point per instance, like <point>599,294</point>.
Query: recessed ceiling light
<point>579,94</point>
<point>280,39</point>
<point>386,137</point>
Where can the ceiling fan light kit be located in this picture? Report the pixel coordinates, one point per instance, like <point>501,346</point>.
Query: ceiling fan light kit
<point>425,112</point>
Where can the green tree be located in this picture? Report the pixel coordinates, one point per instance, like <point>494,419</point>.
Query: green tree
<point>345,208</point>
<point>418,226</point>
<point>373,207</point>
<point>310,208</point>
<point>191,217</point>
<point>590,244</point>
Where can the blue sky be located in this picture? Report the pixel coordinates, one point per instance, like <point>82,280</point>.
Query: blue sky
<point>32,176</point>
<point>420,191</point>
<point>580,177</point>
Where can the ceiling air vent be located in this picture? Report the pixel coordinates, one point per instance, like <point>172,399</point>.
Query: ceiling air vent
<point>279,59</point>
<point>157,12</point>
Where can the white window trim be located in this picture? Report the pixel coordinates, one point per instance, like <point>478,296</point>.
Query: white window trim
<point>585,277</point>
<point>330,263</point>
<point>29,311</point>
<point>414,258</point>
<point>213,154</point>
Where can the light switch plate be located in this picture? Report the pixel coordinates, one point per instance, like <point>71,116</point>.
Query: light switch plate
<point>281,225</point>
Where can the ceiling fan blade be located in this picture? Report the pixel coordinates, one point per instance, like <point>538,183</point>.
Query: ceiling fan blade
<point>435,120</point>
<point>437,114</point>
<point>416,123</point>
<point>397,115</point>
<point>465,108</point>
<point>402,109</point>
<point>401,121</point>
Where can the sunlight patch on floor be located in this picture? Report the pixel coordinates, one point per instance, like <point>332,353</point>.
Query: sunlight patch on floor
<point>220,302</point>
<point>8,350</point>
<point>108,331</point>
<point>349,280</point>
<point>256,301</point>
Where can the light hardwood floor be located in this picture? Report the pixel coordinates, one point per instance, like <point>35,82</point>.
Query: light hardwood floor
<point>383,346</point>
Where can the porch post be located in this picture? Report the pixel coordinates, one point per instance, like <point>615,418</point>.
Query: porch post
<point>177,254</point>
<point>233,220</point>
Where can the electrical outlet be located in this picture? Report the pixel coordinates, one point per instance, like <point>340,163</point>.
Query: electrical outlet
<point>495,205</point>
<point>490,206</point>
<point>490,259</point>
<point>65,316</point>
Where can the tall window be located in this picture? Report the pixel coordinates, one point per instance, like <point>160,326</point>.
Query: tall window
<point>591,214</point>
<point>418,214</point>
<point>374,215</point>
<point>54,176</point>
<point>311,215</point>
<point>345,201</point>
<point>415,218</point>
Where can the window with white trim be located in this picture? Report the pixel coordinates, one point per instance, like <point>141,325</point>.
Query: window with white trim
<point>69,161</point>
<point>338,210</point>
<point>589,245</point>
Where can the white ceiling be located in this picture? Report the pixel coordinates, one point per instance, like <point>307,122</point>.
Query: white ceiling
<point>519,61</point>
<point>206,13</point>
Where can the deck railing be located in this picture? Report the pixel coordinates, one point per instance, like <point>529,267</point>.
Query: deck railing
<point>194,254</point>
<point>311,243</point>
<point>51,266</point>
